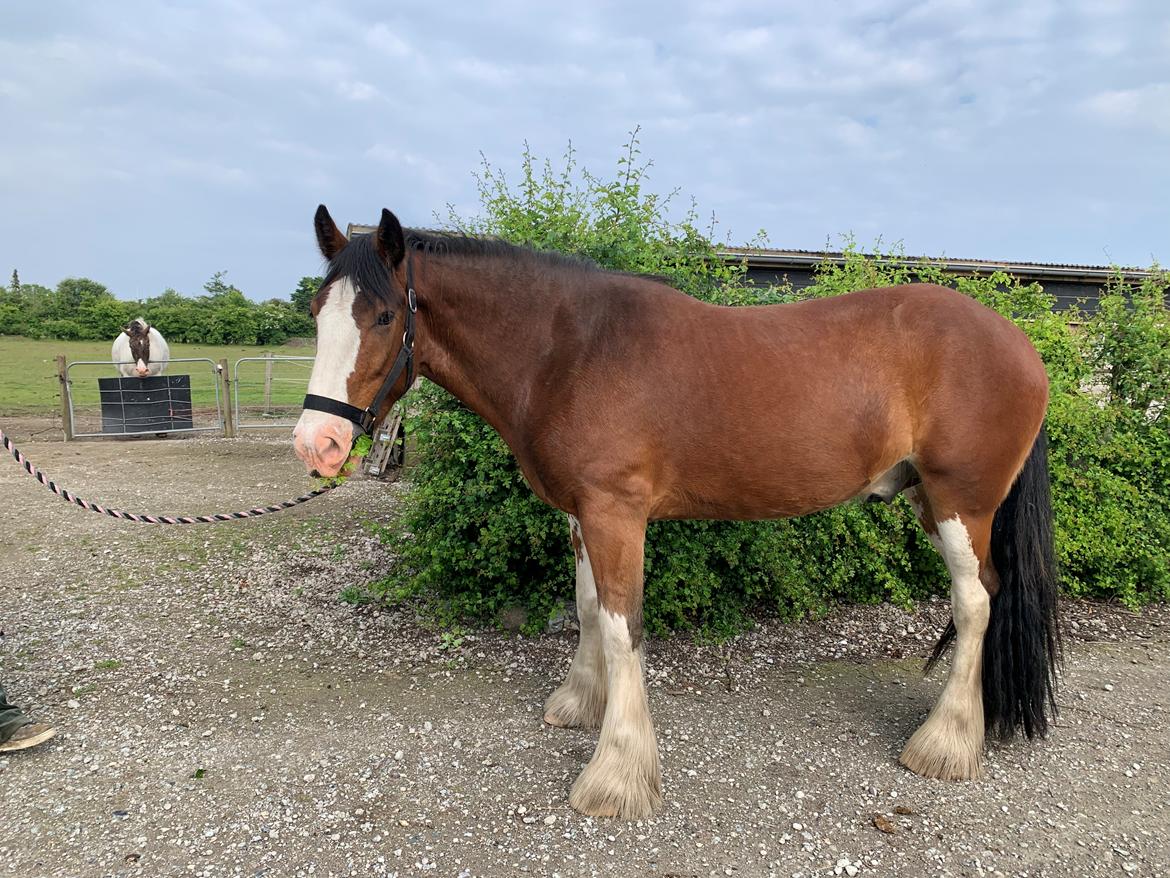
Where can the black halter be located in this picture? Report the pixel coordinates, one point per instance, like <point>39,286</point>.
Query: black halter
<point>367,417</point>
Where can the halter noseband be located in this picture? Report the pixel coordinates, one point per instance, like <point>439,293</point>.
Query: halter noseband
<point>367,417</point>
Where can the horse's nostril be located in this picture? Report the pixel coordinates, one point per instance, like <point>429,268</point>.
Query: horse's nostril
<point>329,449</point>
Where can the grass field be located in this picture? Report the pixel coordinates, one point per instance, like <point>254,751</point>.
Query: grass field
<point>29,386</point>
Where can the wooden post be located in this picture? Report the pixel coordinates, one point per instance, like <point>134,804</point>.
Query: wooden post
<point>229,415</point>
<point>268,383</point>
<point>66,414</point>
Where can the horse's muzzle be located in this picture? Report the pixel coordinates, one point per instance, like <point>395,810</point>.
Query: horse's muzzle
<point>323,442</point>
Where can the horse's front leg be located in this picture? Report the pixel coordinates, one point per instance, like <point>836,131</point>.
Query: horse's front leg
<point>580,701</point>
<point>623,779</point>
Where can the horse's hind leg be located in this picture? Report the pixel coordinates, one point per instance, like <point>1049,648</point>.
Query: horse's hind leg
<point>580,701</point>
<point>949,745</point>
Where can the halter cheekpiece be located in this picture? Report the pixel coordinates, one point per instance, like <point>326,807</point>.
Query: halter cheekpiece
<point>367,417</point>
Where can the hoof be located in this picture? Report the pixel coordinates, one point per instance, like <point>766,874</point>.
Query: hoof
<point>943,750</point>
<point>571,707</point>
<point>554,720</point>
<point>607,788</point>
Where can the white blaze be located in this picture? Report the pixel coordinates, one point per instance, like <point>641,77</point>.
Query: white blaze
<point>338,341</point>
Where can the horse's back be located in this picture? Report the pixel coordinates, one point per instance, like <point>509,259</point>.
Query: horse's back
<point>160,353</point>
<point>121,357</point>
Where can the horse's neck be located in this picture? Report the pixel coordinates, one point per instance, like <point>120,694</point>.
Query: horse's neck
<point>486,331</point>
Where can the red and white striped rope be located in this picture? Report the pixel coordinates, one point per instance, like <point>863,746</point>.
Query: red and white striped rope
<point>70,497</point>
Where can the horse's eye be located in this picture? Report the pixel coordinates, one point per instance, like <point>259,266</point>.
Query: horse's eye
<point>384,318</point>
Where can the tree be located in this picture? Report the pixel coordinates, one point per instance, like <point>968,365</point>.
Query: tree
<point>12,313</point>
<point>74,291</point>
<point>81,308</point>
<point>217,286</point>
<point>176,316</point>
<point>35,308</point>
<point>103,318</point>
<point>305,292</point>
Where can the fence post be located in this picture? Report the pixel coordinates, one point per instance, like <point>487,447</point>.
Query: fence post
<point>229,414</point>
<point>66,410</point>
<point>268,383</point>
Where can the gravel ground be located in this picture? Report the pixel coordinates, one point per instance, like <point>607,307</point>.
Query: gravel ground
<point>221,712</point>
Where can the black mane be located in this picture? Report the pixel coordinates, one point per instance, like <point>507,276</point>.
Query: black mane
<point>359,260</point>
<point>458,244</point>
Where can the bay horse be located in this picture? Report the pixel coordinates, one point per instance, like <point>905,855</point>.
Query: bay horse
<point>140,350</point>
<point>625,401</point>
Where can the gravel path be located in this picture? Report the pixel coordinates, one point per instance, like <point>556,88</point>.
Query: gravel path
<point>221,712</point>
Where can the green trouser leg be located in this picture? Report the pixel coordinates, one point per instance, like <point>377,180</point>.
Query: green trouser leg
<point>11,718</point>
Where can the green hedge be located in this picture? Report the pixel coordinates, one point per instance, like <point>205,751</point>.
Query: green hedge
<point>473,539</point>
<point>83,309</point>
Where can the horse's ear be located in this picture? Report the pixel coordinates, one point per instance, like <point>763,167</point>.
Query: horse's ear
<point>390,241</point>
<point>329,237</point>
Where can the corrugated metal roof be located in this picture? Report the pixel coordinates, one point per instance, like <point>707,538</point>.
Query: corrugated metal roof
<point>779,259</point>
<point>767,258</point>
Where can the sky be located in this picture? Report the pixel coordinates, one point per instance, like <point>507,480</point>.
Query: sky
<point>148,145</point>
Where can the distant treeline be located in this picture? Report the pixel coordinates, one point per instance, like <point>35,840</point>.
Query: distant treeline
<point>80,308</point>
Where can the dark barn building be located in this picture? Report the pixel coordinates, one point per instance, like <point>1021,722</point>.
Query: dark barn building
<point>1068,283</point>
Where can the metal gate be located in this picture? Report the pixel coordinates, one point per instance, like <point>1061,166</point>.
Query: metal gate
<point>273,400</point>
<point>202,406</point>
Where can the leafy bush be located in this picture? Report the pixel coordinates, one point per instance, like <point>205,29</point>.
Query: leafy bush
<point>1111,432</point>
<point>474,540</point>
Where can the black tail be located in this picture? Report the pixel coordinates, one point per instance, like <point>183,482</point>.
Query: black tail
<point>1021,649</point>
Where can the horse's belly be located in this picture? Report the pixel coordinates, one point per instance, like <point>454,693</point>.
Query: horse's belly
<point>744,495</point>
<point>771,470</point>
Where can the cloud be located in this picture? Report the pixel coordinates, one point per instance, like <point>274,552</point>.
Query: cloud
<point>399,158</point>
<point>13,90</point>
<point>205,172</point>
<point>972,128</point>
<point>357,91</point>
<point>1145,107</point>
<point>486,73</point>
<point>384,40</point>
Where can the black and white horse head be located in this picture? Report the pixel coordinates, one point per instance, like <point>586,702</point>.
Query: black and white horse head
<point>140,350</point>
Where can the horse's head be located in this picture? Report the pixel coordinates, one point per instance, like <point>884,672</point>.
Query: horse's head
<point>138,331</point>
<point>362,340</point>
